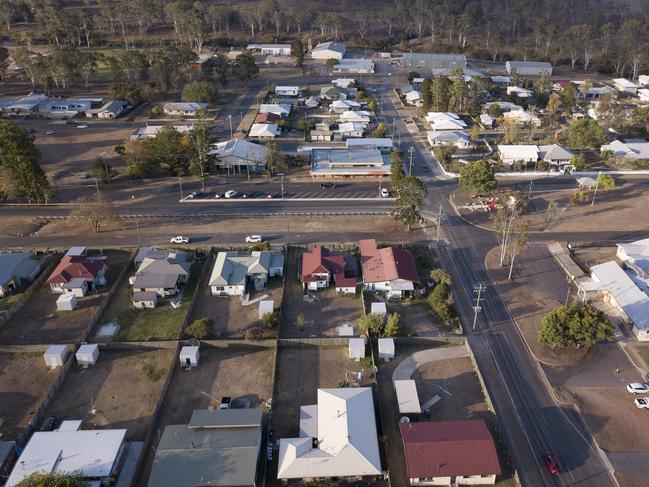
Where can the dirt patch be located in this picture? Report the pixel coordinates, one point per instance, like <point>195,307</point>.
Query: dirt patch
<point>417,318</point>
<point>120,391</point>
<point>321,317</point>
<point>24,384</point>
<point>38,321</point>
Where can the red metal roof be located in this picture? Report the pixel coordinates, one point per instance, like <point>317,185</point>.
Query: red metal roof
<point>77,266</point>
<point>386,264</point>
<point>267,118</point>
<point>449,448</point>
<point>342,281</point>
<point>321,261</point>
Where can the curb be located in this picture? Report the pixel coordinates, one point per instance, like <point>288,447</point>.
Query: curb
<point>257,200</point>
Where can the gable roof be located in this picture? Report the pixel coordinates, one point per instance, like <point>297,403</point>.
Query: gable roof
<point>320,261</point>
<point>231,269</point>
<point>264,130</point>
<point>16,265</point>
<point>76,267</point>
<point>241,149</point>
<point>449,449</point>
<point>386,264</point>
<point>267,117</point>
<point>554,152</point>
<point>161,270</point>
<point>330,46</point>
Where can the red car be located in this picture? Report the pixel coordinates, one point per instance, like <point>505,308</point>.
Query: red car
<point>552,463</point>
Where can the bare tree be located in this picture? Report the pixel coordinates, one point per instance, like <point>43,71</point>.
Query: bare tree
<point>96,212</point>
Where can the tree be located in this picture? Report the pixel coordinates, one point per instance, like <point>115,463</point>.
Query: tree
<point>305,124</point>
<point>270,319</point>
<point>396,167</point>
<point>440,276</point>
<point>579,325</point>
<point>50,479</point>
<point>200,92</point>
<point>380,130</point>
<point>585,134</point>
<point>509,227</point>
<point>95,212</point>
<point>393,325</point>
<point>440,302</point>
<point>440,93</point>
<point>411,195</point>
<point>478,177</point>
<point>371,324</point>
<point>275,160</point>
<point>216,69</point>
<point>426,94</point>
<point>245,67</point>
<point>21,174</point>
<point>297,51</point>
<point>200,328</point>
<point>605,182</point>
<point>131,92</point>
<point>201,158</point>
<point>4,62</point>
<point>254,333</point>
<point>330,64</point>
<point>102,169</point>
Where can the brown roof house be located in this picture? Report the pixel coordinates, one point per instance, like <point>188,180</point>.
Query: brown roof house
<point>267,117</point>
<point>450,453</point>
<point>391,269</point>
<point>77,273</point>
<point>321,266</point>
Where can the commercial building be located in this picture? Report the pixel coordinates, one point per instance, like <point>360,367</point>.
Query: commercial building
<point>240,155</point>
<point>270,49</point>
<point>437,63</point>
<point>349,163</point>
<point>358,66</point>
<point>529,68</point>
<point>329,50</point>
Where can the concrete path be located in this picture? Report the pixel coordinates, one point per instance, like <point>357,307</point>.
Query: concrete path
<point>407,367</point>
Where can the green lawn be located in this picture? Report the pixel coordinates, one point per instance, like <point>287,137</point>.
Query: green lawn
<point>643,352</point>
<point>8,301</point>
<point>161,323</point>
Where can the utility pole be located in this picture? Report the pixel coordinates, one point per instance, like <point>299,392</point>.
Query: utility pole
<point>599,173</point>
<point>411,151</point>
<point>439,223</point>
<point>97,186</point>
<point>282,183</point>
<point>230,118</point>
<point>529,191</point>
<point>137,228</point>
<point>478,289</point>
<point>180,184</point>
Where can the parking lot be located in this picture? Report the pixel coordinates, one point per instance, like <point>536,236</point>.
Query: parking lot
<point>38,321</point>
<point>24,384</point>
<point>120,391</point>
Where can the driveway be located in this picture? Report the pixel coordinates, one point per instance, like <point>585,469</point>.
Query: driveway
<point>409,365</point>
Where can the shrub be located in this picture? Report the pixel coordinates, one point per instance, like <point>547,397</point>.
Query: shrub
<point>270,319</point>
<point>393,325</point>
<point>152,372</point>
<point>371,324</point>
<point>254,333</point>
<point>200,328</point>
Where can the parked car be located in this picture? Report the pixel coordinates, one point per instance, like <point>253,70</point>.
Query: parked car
<point>272,195</point>
<point>48,424</point>
<point>269,451</point>
<point>327,185</point>
<point>179,239</point>
<point>552,463</point>
<point>192,195</point>
<point>641,402</point>
<point>226,401</point>
<point>231,194</point>
<point>385,193</point>
<point>82,126</point>
<point>638,388</point>
<point>254,239</point>
<point>50,132</point>
<point>219,195</point>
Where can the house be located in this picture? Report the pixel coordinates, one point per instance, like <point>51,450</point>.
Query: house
<point>267,118</point>
<point>240,155</point>
<point>234,271</point>
<point>414,98</point>
<point>445,121</point>
<point>333,93</point>
<point>500,80</point>
<point>487,121</point>
<point>17,270</point>
<point>625,86</point>
<point>264,131</point>
<point>437,63</point>
<point>341,106</point>
<point>391,269</point>
<point>351,129</point>
<point>343,82</point>
<point>110,110</point>
<point>337,438</point>
<point>456,138</point>
<point>635,255</point>
<point>630,149</point>
<point>360,116</point>
<point>509,154</point>
<point>281,109</point>
<point>593,91</point>
<point>329,50</point>
<point>217,447</point>
<point>345,285</point>
<point>161,272</point>
<point>319,266</point>
<point>555,154</point>
<point>93,455</point>
<point>270,49</point>
<point>380,143</point>
<point>522,118</point>
<point>26,104</point>
<point>359,66</point>
<point>505,106</point>
<point>78,274</point>
<point>184,109</point>
<point>519,92</point>
<point>349,163</point>
<point>287,90</point>
<point>450,453</point>
<point>643,94</point>
<point>276,266</point>
<point>150,131</point>
<point>312,102</point>
<point>529,68</point>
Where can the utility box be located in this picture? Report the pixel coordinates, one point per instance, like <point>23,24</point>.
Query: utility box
<point>66,302</point>
<point>87,354</point>
<point>386,349</point>
<point>379,309</point>
<point>55,356</point>
<point>356,348</point>
<point>189,356</point>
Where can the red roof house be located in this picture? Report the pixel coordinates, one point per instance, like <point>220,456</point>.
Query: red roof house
<point>267,118</point>
<point>77,274</point>
<point>449,449</point>
<point>319,265</point>
<point>390,269</point>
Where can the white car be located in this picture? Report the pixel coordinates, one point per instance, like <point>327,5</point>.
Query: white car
<point>82,126</point>
<point>642,403</point>
<point>179,239</point>
<point>50,132</point>
<point>638,388</point>
<point>385,193</point>
<point>254,239</point>
<point>231,194</point>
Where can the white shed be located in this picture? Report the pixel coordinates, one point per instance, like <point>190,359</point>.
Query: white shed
<point>189,356</point>
<point>386,349</point>
<point>407,396</point>
<point>66,302</point>
<point>379,309</point>
<point>345,330</point>
<point>87,354</point>
<point>55,355</point>
<point>356,348</point>
<point>266,306</point>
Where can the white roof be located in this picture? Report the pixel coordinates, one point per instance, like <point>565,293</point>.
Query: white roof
<point>447,137</point>
<point>152,130</point>
<point>266,306</point>
<point>379,308</point>
<point>57,350</point>
<point>356,344</point>
<point>413,95</point>
<point>66,298</point>
<point>636,252</point>
<point>624,83</point>
<point>518,91</point>
<point>435,116</point>
<point>93,453</point>
<point>264,130</point>
<point>386,345</point>
<point>189,351</point>
<point>287,88</point>
<point>626,293</point>
<point>347,127</point>
<point>520,116</point>
<point>184,107</point>
<point>369,142</point>
<point>343,82</point>
<point>505,106</point>
<point>331,46</point>
<point>407,397</point>
<point>241,149</point>
<point>87,349</point>
<point>448,125</point>
<point>519,152</point>
<point>342,104</point>
<point>355,116</point>
<point>277,108</point>
<point>501,79</point>
<point>629,148</point>
<point>347,444</point>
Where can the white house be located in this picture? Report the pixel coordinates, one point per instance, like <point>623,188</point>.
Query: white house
<point>150,131</point>
<point>522,118</point>
<point>343,82</point>
<point>643,80</point>
<point>414,98</point>
<point>391,269</point>
<point>445,121</point>
<point>360,116</point>
<point>487,121</point>
<point>519,92</point>
<point>351,129</point>
<point>505,106</point>
<point>509,154</point>
<point>281,109</point>
<point>341,106</point>
<point>110,110</point>
<point>630,149</point>
<point>555,154</point>
<point>184,109</point>
<point>264,130</point>
<point>337,439</point>
<point>456,138</point>
<point>329,50</point>
<point>234,271</point>
<point>529,68</point>
<point>625,86</point>
<point>643,94</point>
<point>287,90</point>
<point>635,255</point>
<point>380,143</point>
<point>271,49</point>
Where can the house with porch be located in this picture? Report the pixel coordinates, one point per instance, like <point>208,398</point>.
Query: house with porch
<point>391,269</point>
<point>234,272</point>
<point>77,273</point>
<point>161,272</point>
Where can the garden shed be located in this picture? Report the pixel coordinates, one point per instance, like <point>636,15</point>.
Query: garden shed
<point>66,302</point>
<point>386,349</point>
<point>379,309</point>
<point>189,356</point>
<point>55,355</point>
<point>356,348</point>
<point>87,354</point>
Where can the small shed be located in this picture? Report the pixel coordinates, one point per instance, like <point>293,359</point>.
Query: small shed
<point>345,330</point>
<point>386,349</point>
<point>87,354</point>
<point>266,306</point>
<point>407,397</point>
<point>145,299</point>
<point>189,356</point>
<point>55,355</point>
<point>66,302</point>
<point>379,309</point>
<point>356,348</point>
<point>345,285</point>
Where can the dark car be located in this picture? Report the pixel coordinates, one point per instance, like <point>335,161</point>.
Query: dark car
<point>552,463</point>
<point>226,402</point>
<point>49,424</point>
<point>327,185</point>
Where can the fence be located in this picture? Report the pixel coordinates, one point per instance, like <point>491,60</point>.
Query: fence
<point>200,282</point>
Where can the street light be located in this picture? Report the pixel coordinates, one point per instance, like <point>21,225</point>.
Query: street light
<point>230,118</point>
<point>282,182</point>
